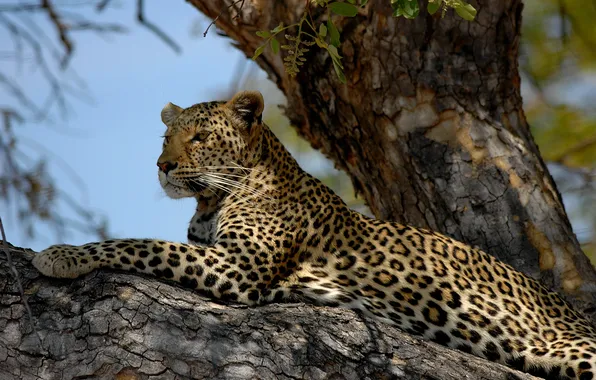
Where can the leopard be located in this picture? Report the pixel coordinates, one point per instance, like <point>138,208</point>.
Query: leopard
<point>266,231</point>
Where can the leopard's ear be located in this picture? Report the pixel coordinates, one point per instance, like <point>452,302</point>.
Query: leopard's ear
<point>170,113</point>
<point>247,108</point>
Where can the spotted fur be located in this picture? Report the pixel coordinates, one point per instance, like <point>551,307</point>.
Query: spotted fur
<point>266,231</point>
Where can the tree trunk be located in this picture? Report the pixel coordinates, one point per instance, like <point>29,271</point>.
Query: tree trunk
<point>430,127</point>
<point>119,326</point>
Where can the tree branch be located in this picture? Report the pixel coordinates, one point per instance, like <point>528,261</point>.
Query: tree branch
<point>62,31</point>
<point>220,13</point>
<point>109,324</point>
<point>152,27</point>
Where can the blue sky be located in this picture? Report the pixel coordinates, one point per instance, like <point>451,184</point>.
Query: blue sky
<point>113,144</point>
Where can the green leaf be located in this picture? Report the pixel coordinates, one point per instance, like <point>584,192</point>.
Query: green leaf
<point>411,9</point>
<point>274,46</point>
<point>263,33</point>
<point>352,1</point>
<point>258,52</point>
<point>333,33</point>
<point>344,9</point>
<point>466,11</point>
<point>337,66</point>
<point>278,28</point>
<point>434,6</point>
<point>363,3</point>
<point>322,30</point>
<point>340,72</point>
<point>335,57</point>
<point>407,8</point>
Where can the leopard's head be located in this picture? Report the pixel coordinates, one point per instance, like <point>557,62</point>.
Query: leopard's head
<point>208,144</point>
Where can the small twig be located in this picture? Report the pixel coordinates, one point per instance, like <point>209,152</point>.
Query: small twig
<point>42,37</point>
<point>20,7</point>
<point>15,273</point>
<point>221,13</point>
<point>8,115</point>
<point>102,5</point>
<point>56,87</point>
<point>62,31</point>
<point>152,27</point>
<point>86,25</point>
<point>18,94</point>
<point>26,187</point>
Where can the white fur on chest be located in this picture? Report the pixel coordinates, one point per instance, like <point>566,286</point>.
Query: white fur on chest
<point>201,230</point>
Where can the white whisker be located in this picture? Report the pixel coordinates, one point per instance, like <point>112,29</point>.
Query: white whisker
<point>231,176</point>
<point>231,184</point>
<point>236,186</point>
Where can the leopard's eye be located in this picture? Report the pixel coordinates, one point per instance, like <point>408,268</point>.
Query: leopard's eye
<point>201,136</point>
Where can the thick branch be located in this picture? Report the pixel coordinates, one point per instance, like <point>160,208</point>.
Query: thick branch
<point>113,323</point>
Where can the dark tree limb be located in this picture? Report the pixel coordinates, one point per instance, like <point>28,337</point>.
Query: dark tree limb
<point>109,324</point>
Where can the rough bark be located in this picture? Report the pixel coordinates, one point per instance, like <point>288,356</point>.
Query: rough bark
<point>118,326</point>
<point>430,127</point>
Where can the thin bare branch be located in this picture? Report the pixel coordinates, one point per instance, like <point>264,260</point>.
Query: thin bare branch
<point>44,40</point>
<point>9,114</point>
<point>34,196</point>
<point>55,85</point>
<point>152,27</point>
<point>102,5</point>
<point>18,94</point>
<point>62,31</point>
<point>86,25</point>
<point>20,7</point>
<point>220,13</point>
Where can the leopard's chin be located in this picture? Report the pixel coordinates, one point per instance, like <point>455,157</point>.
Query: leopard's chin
<point>172,190</point>
<point>196,188</point>
<point>177,192</point>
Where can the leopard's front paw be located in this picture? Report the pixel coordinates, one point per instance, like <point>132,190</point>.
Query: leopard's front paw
<point>63,261</point>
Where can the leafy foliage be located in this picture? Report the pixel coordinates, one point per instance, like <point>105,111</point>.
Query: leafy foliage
<point>327,35</point>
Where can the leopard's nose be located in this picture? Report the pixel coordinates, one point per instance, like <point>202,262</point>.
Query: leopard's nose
<point>167,166</point>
